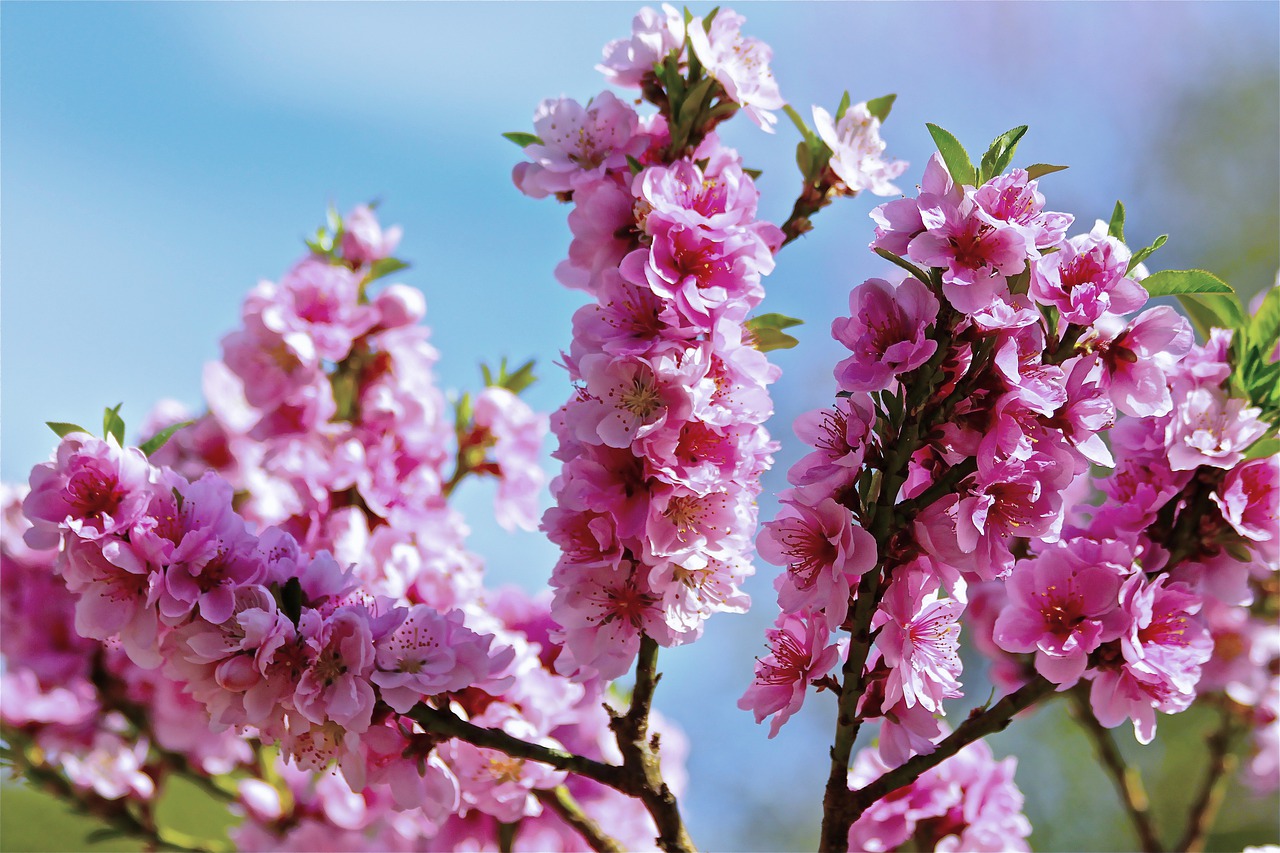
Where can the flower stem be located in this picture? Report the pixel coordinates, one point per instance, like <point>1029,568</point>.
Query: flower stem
<point>560,801</point>
<point>1213,789</point>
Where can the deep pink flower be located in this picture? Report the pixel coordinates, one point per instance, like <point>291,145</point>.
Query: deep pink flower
<point>798,655</point>
<point>886,331</point>
<point>429,653</point>
<point>632,397</point>
<point>975,254</point>
<point>919,639</point>
<point>602,611</point>
<point>93,488</point>
<point>1248,498</point>
<point>1014,200</point>
<point>1137,357</point>
<point>839,436</point>
<point>1086,278</point>
<point>316,299</point>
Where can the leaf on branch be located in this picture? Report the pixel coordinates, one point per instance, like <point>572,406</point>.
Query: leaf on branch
<point>158,440</point>
<point>880,107</point>
<point>1264,327</point>
<point>809,135</point>
<point>384,267</point>
<point>62,430</point>
<point>954,155</point>
<point>1178,282</point>
<point>766,331</point>
<point>113,424</point>
<point>1039,170</point>
<point>1142,254</point>
<point>524,140</point>
<point>1000,153</point>
<point>1115,228</point>
<point>754,173</point>
<point>843,107</point>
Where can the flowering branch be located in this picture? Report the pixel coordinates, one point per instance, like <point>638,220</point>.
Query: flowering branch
<point>560,801</point>
<point>1127,779</point>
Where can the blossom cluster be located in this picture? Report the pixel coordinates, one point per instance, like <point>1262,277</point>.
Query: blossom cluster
<point>295,575</point>
<point>950,474</point>
<point>662,443</point>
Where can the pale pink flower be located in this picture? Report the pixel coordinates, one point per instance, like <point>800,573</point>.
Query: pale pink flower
<point>429,653</point>
<point>740,64</point>
<point>364,240</point>
<point>653,36</point>
<point>799,654</point>
<point>335,686</point>
<point>857,150</point>
<point>577,143</point>
<point>1014,200</point>
<point>919,639</point>
<point>1208,428</point>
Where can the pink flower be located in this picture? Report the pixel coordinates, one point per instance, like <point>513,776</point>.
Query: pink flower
<point>823,551</point>
<point>1208,428</point>
<point>1248,499</point>
<point>857,149</point>
<point>93,488</point>
<point>653,36</point>
<point>632,397</point>
<point>319,300</point>
<point>1138,356</point>
<point>740,64</point>
<point>602,611</point>
<point>886,331</point>
<point>839,435</point>
<point>1013,200</point>
<point>517,432</point>
<point>578,144</point>
<point>335,686</point>
<point>975,255</point>
<point>1086,278</point>
<point>685,193</point>
<point>363,240</point>
<point>1062,608</point>
<point>919,639</point>
<point>429,653</point>
<point>798,656</point>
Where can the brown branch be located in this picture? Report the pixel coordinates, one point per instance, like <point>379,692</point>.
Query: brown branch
<point>979,724</point>
<point>566,807</point>
<point>1222,764</point>
<point>1126,778</point>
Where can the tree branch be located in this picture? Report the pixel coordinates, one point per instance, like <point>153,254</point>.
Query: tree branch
<point>1127,779</point>
<point>1222,764</point>
<point>560,801</point>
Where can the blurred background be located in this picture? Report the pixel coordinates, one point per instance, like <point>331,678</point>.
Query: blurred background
<point>159,159</point>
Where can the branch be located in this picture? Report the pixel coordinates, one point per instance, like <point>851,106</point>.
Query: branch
<point>445,722</point>
<point>811,200</point>
<point>1127,780</point>
<point>979,724</point>
<point>1222,763</point>
<point>563,804</point>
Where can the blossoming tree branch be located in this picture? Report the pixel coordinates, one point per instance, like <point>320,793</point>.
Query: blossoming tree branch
<point>274,599</point>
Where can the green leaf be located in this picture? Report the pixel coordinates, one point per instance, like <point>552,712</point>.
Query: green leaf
<point>515,382</point>
<point>1000,153</point>
<point>1039,170</point>
<point>113,424</point>
<point>1177,282</point>
<point>1116,227</point>
<point>1264,327</point>
<point>809,135</point>
<point>1262,448</point>
<point>1203,313</point>
<point>62,430</point>
<point>844,105</point>
<point>880,107</point>
<point>694,101</point>
<point>711,16</point>
<point>384,267</point>
<point>158,440</point>
<point>635,165</point>
<point>954,155</point>
<point>1142,254</point>
<point>754,173</point>
<point>897,261</point>
<point>766,331</point>
<point>1223,309</point>
<point>333,219</point>
<point>804,159</point>
<point>524,140</point>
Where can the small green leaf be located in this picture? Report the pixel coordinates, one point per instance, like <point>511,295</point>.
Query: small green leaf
<point>880,107</point>
<point>1262,448</point>
<point>158,440</point>
<point>809,135</point>
<point>766,331</point>
<point>1264,327</point>
<point>1142,254</point>
<point>844,105</point>
<point>487,374</point>
<point>636,166</point>
<point>113,424</point>
<point>1116,227</point>
<point>804,159</point>
<point>384,267</point>
<point>772,321</point>
<point>521,379</point>
<point>754,173</point>
<point>1039,170</point>
<point>1000,153</point>
<point>1177,282</point>
<point>524,140</point>
<point>62,430</point>
<point>711,16</point>
<point>954,155</point>
<point>1223,309</point>
<point>1203,313</point>
<point>694,101</point>
<point>333,219</point>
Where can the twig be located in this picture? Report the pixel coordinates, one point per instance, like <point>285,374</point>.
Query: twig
<point>1126,778</point>
<point>1222,764</point>
<point>560,801</point>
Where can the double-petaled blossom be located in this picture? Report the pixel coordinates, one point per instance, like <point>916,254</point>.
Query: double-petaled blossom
<point>1137,356</point>
<point>1210,428</point>
<point>1248,498</point>
<point>577,143</point>
<point>887,332</point>
<point>1086,278</point>
<point>653,36</point>
<point>92,489</point>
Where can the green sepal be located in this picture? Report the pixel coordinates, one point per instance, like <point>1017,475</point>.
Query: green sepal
<point>384,267</point>
<point>954,155</point>
<point>845,101</point>
<point>1142,254</point>
<point>158,440</point>
<point>635,165</point>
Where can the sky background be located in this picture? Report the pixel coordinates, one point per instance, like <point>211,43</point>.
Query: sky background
<point>159,159</point>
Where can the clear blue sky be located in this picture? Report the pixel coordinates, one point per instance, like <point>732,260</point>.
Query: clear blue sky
<point>159,159</point>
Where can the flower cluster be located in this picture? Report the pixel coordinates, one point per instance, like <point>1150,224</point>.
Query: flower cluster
<point>662,442</point>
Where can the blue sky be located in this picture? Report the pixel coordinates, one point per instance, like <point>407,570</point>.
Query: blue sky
<point>159,159</point>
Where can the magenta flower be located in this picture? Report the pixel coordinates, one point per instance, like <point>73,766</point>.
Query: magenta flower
<point>886,331</point>
<point>1137,358</point>
<point>684,193</point>
<point>1013,200</point>
<point>857,150</point>
<point>363,240</point>
<point>319,300</point>
<point>335,686</point>
<point>975,255</point>
<point>740,64</point>
<point>602,610</point>
<point>1248,498</point>
<point>919,639</point>
<point>429,653</point>
<point>823,551</point>
<point>1086,278</point>
<point>1061,608</point>
<point>839,436</point>
<point>798,656</point>
<point>93,488</point>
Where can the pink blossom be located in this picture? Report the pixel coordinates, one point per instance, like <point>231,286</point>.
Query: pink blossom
<point>498,784</point>
<point>898,222</point>
<point>740,64</point>
<point>603,225</point>
<point>1138,356</point>
<point>975,255</point>
<point>1248,498</point>
<point>823,551</point>
<point>429,653</point>
<point>517,432</point>
<point>112,768</point>
<point>363,240</point>
<point>1086,278</point>
<point>653,36</point>
<point>839,436</point>
<point>798,656</point>
<point>632,397</point>
<point>682,521</point>
<point>1014,200</point>
<point>886,331</point>
<point>577,143</point>
<point>603,610</point>
<point>316,299</point>
<point>685,193</point>
<point>335,686</point>
<point>93,488</point>
<point>1208,428</point>
<point>919,639</point>
<point>857,150</point>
